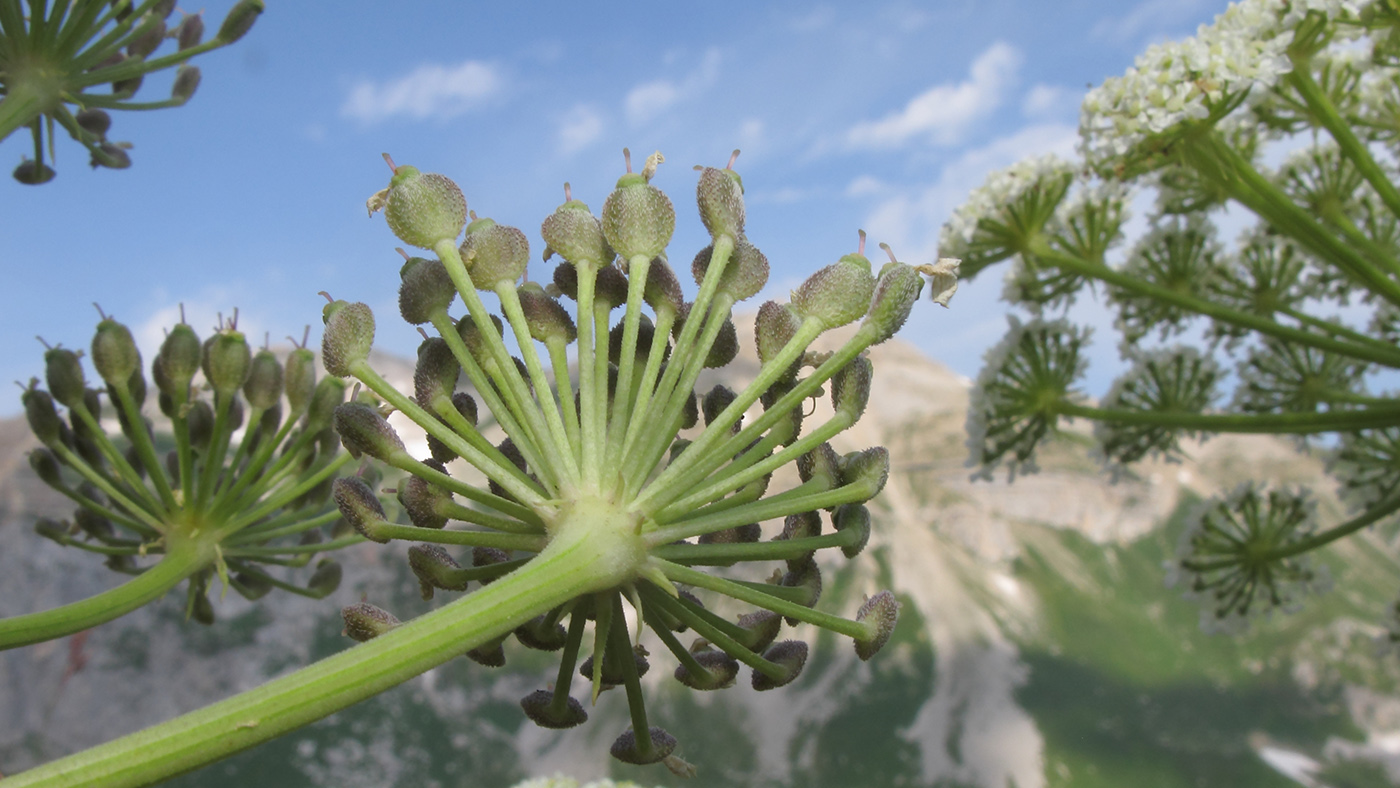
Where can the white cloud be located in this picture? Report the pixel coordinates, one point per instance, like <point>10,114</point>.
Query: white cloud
<point>649,99</point>
<point>1048,100</point>
<point>441,91</point>
<point>863,185</point>
<point>943,113</point>
<point>581,127</point>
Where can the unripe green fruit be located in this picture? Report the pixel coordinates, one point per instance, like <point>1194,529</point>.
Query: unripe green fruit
<point>45,466</point>
<point>870,468</point>
<point>227,361</point>
<point>435,375</point>
<point>880,613</point>
<point>199,420</point>
<point>720,196</point>
<point>893,298</point>
<point>240,20</point>
<point>299,378</point>
<point>791,656</point>
<point>576,235</point>
<point>64,373</point>
<point>638,219</point>
<point>539,634</point>
<point>364,621</point>
<point>325,398</point>
<point>186,83</point>
<point>263,388</point>
<point>363,431</point>
<point>94,121</point>
<point>744,275</point>
<point>426,289</point>
<point>181,356</point>
<point>359,506</point>
<point>663,289</point>
<point>547,318</point>
<point>850,388</point>
<point>114,353</point>
<point>494,253</point>
<point>43,417</point>
<point>421,500</point>
<point>837,294</point>
<point>190,31</point>
<point>853,516</point>
<point>821,463</point>
<point>628,750</point>
<point>539,707</point>
<point>424,208</point>
<point>326,579</point>
<point>720,671</point>
<point>774,327</point>
<point>435,569</point>
<point>348,338</point>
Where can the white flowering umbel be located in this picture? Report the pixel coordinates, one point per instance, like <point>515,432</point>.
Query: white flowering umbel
<point>1191,121</point>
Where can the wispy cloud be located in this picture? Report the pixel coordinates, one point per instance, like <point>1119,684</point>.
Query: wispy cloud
<point>649,99</point>
<point>579,128</point>
<point>433,90</point>
<point>1149,19</point>
<point>943,113</point>
<point>1043,101</point>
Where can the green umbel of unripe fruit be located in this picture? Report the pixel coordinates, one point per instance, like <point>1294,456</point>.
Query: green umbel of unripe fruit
<point>426,290</point>
<point>892,299</point>
<point>838,293</point>
<point>720,196</point>
<point>576,234</point>
<point>181,356</point>
<point>64,373</point>
<point>494,253</point>
<point>364,621</point>
<point>263,389</point>
<point>114,353</point>
<point>638,219</point>
<point>227,361</point>
<point>421,208</point>
<point>880,613</point>
<point>348,338</point>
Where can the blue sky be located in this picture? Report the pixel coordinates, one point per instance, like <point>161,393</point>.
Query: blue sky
<point>880,116</point>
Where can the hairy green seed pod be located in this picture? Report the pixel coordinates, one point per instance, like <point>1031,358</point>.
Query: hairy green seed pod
<point>761,628</point>
<point>435,569</point>
<point>326,579</point>
<point>33,173</point>
<point>539,707</point>
<point>663,290</point>
<point>774,327</point>
<point>239,21</point>
<point>359,506</point>
<point>791,656</point>
<point>725,347</point>
<point>299,379</point>
<point>250,587</point>
<point>108,155</point>
<point>51,529</point>
<point>539,634</point>
<point>870,468</point>
<point>720,671</point>
<point>715,401</point>
<point>576,235</point>
<point>638,219</point>
<point>348,338</point>
<point>364,621</point>
<point>426,290</point>
<point>325,398</point>
<point>114,353</point>
<point>805,576</point>
<point>45,466</point>
<point>186,83</point>
<point>190,31</point>
<point>720,196</point>
<point>494,253</point>
<point>880,613</point>
<point>424,208</point>
<point>435,375</point>
<point>181,356</point>
<point>199,420</point>
<point>363,431</point>
<point>837,294</point>
<point>547,318</point>
<point>801,526</point>
<point>820,463</point>
<point>853,516</point>
<point>421,500</point>
<point>470,335</point>
<point>744,275</point>
<point>628,750</point>
<point>227,361</point>
<point>893,298</point>
<point>850,387</point>
<point>64,374</point>
<point>263,388</point>
<point>94,121</point>
<point>147,42</point>
<point>43,417</point>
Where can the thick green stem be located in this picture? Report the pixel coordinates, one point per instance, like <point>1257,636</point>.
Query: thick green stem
<point>584,559</point>
<point>181,561</point>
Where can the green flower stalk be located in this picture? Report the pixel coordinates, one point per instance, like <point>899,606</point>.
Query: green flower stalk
<point>615,492</point>
<point>1192,122</point>
<point>194,499</point>
<point>71,64</point>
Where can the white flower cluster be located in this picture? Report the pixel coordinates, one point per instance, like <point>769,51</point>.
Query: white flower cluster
<point>1242,52</point>
<point>1000,189</point>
